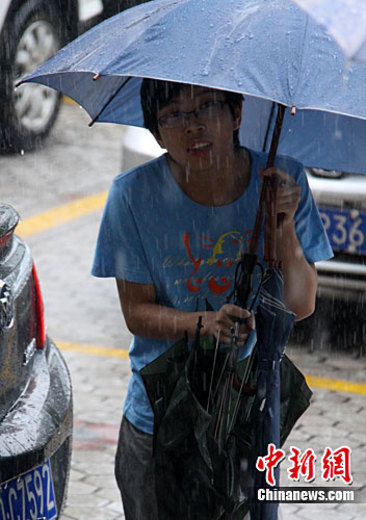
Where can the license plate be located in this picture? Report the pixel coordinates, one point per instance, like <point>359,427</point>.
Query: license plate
<point>346,229</point>
<point>29,497</point>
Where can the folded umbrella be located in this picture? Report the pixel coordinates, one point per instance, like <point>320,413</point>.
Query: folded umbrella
<point>197,477</point>
<point>274,325</point>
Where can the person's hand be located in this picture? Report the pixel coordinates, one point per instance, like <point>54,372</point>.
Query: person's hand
<point>288,194</point>
<point>223,322</point>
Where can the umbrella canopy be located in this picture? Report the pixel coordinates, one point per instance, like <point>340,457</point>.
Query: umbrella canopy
<point>269,50</point>
<point>345,20</point>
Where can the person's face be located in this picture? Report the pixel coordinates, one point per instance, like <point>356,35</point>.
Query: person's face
<point>196,128</point>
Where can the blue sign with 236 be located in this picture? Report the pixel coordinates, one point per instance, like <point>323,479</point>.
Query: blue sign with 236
<point>346,229</point>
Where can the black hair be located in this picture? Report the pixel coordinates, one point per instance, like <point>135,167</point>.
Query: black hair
<point>156,94</point>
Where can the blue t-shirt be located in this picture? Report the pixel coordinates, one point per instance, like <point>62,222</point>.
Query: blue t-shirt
<point>153,233</point>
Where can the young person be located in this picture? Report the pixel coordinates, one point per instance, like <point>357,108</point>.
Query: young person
<point>171,233</point>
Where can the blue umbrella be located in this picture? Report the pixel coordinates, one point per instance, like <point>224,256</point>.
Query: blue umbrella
<point>345,20</point>
<point>269,50</point>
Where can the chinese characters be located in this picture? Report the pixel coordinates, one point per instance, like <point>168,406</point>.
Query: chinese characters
<point>335,464</point>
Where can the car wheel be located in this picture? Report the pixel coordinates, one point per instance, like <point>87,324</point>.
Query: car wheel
<point>31,34</point>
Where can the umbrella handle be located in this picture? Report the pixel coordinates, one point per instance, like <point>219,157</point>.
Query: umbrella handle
<point>271,222</point>
<point>270,195</point>
<point>276,135</point>
<point>243,279</point>
<point>266,184</point>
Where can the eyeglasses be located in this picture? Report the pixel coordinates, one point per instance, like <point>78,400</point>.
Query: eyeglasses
<point>205,112</point>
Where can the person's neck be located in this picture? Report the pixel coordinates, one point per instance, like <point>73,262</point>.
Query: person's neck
<point>218,186</point>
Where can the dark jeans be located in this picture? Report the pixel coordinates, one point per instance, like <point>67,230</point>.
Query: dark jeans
<point>134,473</point>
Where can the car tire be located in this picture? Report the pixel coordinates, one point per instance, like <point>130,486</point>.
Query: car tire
<point>32,33</point>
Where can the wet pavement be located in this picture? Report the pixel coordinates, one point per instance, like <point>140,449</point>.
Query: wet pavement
<point>84,318</point>
<point>334,419</point>
<point>99,384</point>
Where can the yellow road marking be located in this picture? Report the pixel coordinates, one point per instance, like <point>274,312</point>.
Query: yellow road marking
<point>94,350</point>
<point>337,385</point>
<point>61,214</point>
<point>315,382</point>
<point>69,101</point>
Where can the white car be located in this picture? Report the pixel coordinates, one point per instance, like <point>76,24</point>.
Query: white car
<point>339,319</point>
<point>341,197</point>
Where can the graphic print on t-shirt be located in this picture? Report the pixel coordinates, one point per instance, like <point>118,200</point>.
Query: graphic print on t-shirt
<point>218,259</point>
<point>209,264</point>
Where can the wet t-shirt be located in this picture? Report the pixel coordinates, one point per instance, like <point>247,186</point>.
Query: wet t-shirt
<point>153,233</point>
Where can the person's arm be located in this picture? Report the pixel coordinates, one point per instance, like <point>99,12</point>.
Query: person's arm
<point>300,277</point>
<point>145,318</point>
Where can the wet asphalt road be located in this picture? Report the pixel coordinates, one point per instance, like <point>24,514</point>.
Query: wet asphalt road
<point>83,316</point>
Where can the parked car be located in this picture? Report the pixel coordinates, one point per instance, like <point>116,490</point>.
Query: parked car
<point>339,319</point>
<point>35,391</point>
<point>340,315</point>
<point>31,31</point>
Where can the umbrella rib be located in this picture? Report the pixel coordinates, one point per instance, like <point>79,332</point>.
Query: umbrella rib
<point>228,423</point>
<point>222,410</point>
<point>221,374</point>
<point>117,91</point>
<point>213,369</point>
<point>243,382</point>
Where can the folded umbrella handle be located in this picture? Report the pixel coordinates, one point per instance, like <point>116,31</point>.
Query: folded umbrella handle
<point>243,279</point>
